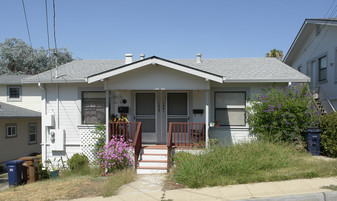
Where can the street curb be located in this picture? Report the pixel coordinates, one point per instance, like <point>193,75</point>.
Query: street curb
<point>325,196</point>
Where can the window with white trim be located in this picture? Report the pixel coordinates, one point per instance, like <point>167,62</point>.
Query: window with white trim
<point>322,62</point>
<point>32,133</point>
<point>230,108</point>
<point>93,107</point>
<point>14,93</point>
<point>11,130</point>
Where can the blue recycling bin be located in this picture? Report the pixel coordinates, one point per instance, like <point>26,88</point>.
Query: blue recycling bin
<point>314,140</point>
<point>14,172</point>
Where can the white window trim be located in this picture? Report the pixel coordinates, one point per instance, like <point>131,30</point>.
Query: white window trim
<point>29,134</point>
<point>231,107</point>
<point>9,99</point>
<point>16,130</point>
<point>82,117</point>
<point>319,68</point>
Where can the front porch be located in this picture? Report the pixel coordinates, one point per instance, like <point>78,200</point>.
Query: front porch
<point>156,158</point>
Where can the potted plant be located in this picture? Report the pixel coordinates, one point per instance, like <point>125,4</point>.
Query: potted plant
<point>54,166</point>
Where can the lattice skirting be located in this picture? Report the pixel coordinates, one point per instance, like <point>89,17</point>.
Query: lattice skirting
<point>88,141</point>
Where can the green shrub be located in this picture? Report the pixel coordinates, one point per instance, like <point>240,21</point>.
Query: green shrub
<point>43,173</point>
<point>78,162</point>
<point>329,134</point>
<point>100,132</point>
<point>282,114</point>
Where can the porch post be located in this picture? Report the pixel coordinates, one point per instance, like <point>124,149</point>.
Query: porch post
<point>207,117</point>
<point>107,97</point>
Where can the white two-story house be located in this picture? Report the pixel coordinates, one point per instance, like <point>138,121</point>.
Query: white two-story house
<point>20,118</point>
<point>314,53</point>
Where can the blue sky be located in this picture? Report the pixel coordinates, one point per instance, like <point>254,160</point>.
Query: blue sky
<point>107,29</point>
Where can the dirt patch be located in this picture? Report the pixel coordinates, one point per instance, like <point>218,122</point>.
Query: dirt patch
<point>55,189</point>
<point>169,185</point>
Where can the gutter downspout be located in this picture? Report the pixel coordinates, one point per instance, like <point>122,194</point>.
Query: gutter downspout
<point>58,106</point>
<point>44,129</point>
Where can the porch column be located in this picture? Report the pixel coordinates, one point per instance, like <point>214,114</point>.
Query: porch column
<point>207,117</point>
<point>107,100</point>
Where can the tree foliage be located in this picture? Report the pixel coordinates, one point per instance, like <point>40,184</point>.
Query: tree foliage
<point>275,53</point>
<point>329,134</point>
<point>282,114</point>
<point>16,57</point>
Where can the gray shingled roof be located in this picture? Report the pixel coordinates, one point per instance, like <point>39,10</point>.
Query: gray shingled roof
<point>7,110</point>
<point>12,79</point>
<point>238,69</point>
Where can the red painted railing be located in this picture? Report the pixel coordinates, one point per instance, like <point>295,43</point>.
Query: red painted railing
<point>186,134</point>
<point>129,131</point>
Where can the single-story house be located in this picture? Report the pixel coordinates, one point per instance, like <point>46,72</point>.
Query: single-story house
<point>175,100</point>
<point>20,118</point>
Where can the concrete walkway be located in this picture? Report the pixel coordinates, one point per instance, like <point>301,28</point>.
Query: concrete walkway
<point>149,187</point>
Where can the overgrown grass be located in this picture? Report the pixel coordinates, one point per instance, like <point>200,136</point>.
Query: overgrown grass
<point>70,186</point>
<point>248,163</point>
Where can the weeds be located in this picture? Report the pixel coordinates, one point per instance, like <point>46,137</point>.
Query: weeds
<point>247,163</point>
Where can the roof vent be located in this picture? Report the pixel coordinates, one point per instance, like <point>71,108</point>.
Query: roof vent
<point>128,58</point>
<point>199,58</point>
<point>142,56</point>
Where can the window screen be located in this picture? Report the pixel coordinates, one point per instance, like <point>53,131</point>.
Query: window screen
<point>93,107</point>
<point>229,108</point>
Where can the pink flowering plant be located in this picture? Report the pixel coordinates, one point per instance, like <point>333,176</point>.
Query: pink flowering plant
<point>115,155</point>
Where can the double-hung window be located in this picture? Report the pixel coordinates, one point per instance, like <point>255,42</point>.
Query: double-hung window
<point>93,107</point>
<point>10,130</point>
<point>32,133</point>
<point>14,93</point>
<point>230,108</point>
<point>322,62</point>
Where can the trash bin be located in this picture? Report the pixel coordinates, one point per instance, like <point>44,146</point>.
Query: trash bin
<point>30,169</point>
<point>314,140</point>
<point>14,172</point>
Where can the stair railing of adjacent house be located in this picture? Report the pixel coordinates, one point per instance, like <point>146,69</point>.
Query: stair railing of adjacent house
<point>130,132</point>
<point>322,96</point>
<point>186,134</point>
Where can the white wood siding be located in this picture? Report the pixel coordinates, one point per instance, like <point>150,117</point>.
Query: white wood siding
<point>13,148</point>
<point>323,44</point>
<point>154,77</point>
<point>69,114</point>
<point>30,97</point>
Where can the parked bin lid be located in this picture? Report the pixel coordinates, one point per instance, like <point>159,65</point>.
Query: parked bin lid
<point>29,158</point>
<point>316,130</point>
<point>14,162</point>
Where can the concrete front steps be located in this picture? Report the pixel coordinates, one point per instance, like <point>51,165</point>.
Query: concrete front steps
<point>153,160</point>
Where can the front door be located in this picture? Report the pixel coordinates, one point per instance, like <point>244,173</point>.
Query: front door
<point>145,112</point>
<point>156,109</point>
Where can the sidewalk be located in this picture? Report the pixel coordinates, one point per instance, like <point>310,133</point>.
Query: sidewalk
<point>3,181</point>
<point>149,187</point>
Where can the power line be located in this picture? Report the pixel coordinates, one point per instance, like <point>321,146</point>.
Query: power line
<point>55,40</point>
<point>329,9</point>
<point>24,10</point>
<point>45,1</point>
<point>54,27</point>
<point>47,24</point>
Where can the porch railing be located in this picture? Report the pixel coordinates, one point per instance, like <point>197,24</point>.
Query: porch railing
<point>129,131</point>
<point>186,134</point>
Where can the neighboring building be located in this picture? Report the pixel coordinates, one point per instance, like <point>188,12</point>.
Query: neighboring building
<point>20,118</point>
<point>153,91</point>
<point>314,53</point>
